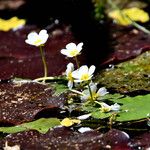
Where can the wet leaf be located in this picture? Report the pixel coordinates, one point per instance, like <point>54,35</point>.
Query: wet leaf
<point>42,125</point>
<point>23,101</point>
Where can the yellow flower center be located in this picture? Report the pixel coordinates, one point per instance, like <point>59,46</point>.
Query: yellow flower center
<point>37,41</point>
<point>69,76</point>
<point>85,77</point>
<point>105,109</point>
<point>74,52</point>
<point>94,96</point>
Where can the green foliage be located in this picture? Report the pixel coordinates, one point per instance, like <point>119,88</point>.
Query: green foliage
<point>59,88</point>
<point>99,8</point>
<point>134,108</point>
<point>128,76</point>
<point>42,125</point>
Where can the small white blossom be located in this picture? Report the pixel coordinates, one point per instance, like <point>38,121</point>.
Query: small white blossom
<point>37,39</point>
<point>16,147</point>
<point>107,108</point>
<point>115,107</point>
<point>84,117</point>
<point>84,129</point>
<point>72,49</point>
<point>83,73</point>
<point>69,70</point>
<point>96,95</point>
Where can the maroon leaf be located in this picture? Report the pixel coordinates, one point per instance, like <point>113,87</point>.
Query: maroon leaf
<point>126,43</point>
<point>142,141</point>
<point>22,102</point>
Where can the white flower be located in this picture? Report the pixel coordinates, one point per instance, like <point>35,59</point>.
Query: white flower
<point>72,49</point>
<point>107,108</point>
<point>83,73</point>
<point>84,117</point>
<point>115,107</point>
<point>16,147</point>
<point>96,95</point>
<point>37,39</point>
<point>69,70</point>
<point>84,129</point>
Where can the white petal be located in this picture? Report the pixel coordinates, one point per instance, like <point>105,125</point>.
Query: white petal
<point>115,107</point>
<point>84,129</point>
<point>43,36</point>
<point>83,69</point>
<point>70,66</point>
<point>71,46</point>
<point>92,69</point>
<point>79,47</point>
<point>105,105</point>
<point>93,88</point>
<point>83,117</point>
<point>64,52</point>
<point>42,32</point>
<point>29,42</point>
<point>70,84</point>
<point>75,74</point>
<point>102,91</point>
<point>77,81</point>
<point>32,36</point>
<point>85,97</point>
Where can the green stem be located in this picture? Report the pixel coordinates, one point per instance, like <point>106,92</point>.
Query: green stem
<point>48,78</point>
<point>90,92</point>
<point>138,26</point>
<point>77,62</point>
<point>44,63</point>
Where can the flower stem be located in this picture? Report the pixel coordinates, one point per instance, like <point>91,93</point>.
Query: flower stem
<point>77,62</point>
<point>48,78</point>
<point>90,92</point>
<point>44,63</point>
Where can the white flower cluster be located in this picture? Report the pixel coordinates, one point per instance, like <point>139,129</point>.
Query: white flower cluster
<point>82,74</point>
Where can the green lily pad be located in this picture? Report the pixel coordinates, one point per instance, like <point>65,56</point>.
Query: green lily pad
<point>42,125</point>
<point>133,108</point>
<point>100,115</point>
<point>133,75</point>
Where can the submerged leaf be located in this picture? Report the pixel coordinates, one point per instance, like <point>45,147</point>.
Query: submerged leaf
<point>42,125</point>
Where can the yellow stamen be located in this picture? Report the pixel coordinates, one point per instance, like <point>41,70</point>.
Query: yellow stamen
<point>85,77</point>
<point>37,41</point>
<point>69,76</point>
<point>74,52</point>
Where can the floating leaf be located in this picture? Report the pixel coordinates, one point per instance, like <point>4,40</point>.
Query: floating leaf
<point>67,122</point>
<point>134,108</point>
<point>100,115</point>
<point>42,125</point>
